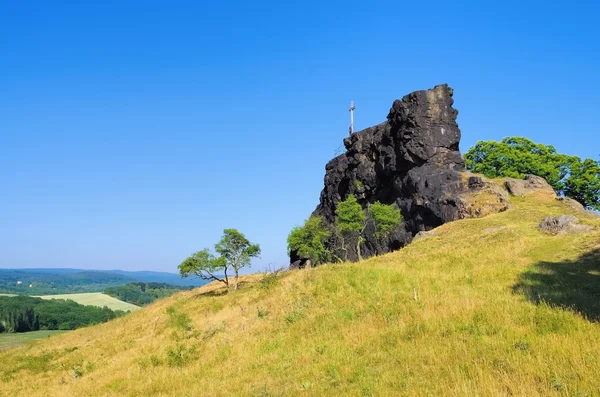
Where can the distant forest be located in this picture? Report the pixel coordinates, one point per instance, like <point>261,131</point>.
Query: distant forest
<point>42,283</point>
<point>74,281</point>
<point>25,313</point>
<point>141,294</point>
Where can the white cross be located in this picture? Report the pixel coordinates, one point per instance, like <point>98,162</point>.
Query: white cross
<point>352,107</point>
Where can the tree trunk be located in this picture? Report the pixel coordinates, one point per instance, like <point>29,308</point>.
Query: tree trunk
<point>344,249</point>
<point>358,248</point>
<point>235,282</point>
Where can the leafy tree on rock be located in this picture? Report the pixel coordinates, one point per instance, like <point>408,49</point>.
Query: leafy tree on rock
<point>350,221</point>
<point>236,252</point>
<point>309,240</point>
<point>386,218</point>
<point>517,156</point>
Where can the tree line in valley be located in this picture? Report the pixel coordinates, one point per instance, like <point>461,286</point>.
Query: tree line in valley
<point>26,313</point>
<point>142,294</point>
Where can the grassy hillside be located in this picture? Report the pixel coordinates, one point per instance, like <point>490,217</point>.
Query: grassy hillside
<point>486,307</point>
<point>95,299</point>
<point>8,341</point>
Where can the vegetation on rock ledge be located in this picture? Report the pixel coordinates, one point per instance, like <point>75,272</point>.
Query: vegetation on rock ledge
<point>515,157</point>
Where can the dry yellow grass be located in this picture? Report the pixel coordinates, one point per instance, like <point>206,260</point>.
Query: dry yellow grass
<point>479,309</point>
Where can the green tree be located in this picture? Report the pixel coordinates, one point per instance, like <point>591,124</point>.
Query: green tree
<point>386,218</point>
<point>583,183</point>
<point>350,221</point>
<point>237,251</point>
<point>206,266</point>
<point>309,240</point>
<point>517,156</point>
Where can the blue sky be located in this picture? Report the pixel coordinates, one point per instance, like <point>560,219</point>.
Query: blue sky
<point>132,134</point>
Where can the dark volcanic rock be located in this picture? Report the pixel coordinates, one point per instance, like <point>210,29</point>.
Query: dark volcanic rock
<point>411,160</point>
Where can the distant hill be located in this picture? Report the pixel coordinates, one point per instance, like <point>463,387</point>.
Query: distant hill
<point>159,277</point>
<point>57,281</point>
<point>40,281</point>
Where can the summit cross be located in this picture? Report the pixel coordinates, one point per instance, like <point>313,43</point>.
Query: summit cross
<point>352,107</point>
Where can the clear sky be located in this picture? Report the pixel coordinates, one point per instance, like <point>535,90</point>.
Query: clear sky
<point>133,132</point>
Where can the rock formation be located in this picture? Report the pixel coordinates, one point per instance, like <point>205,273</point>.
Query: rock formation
<point>563,224</point>
<point>527,185</point>
<point>411,160</point>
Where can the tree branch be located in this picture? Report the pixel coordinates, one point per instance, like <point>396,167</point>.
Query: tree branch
<point>212,276</point>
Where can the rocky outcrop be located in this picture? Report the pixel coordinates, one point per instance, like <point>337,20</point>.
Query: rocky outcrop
<point>577,206</point>
<point>563,224</point>
<point>411,160</point>
<point>527,185</point>
<point>423,235</point>
<point>481,197</point>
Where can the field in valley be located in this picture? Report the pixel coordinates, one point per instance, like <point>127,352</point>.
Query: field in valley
<point>95,299</point>
<point>92,299</point>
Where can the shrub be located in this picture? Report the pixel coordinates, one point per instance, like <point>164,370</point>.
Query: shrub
<point>386,218</point>
<point>309,240</point>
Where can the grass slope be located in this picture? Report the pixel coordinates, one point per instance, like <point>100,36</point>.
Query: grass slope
<point>486,307</point>
<point>8,341</point>
<point>95,299</point>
